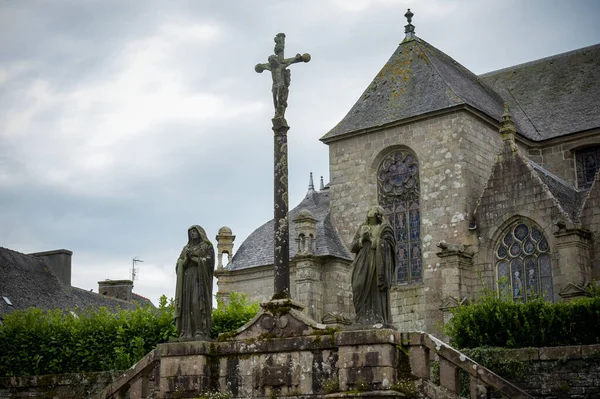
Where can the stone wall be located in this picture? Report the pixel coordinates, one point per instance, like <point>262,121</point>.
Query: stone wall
<point>280,353</point>
<point>322,285</point>
<point>559,156</point>
<point>408,307</point>
<point>456,153</point>
<point>68,386</point>
<point>337,289</point>
<point>453,153</point>
<point>557,372</point>
<point>590,217</point>
<point>256,283</point>
<point>515,192</point>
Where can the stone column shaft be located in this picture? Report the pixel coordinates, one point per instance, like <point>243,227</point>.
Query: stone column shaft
<point>281,256</point>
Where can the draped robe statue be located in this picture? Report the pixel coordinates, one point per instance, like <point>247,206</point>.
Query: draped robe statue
<point>193,293</point>
<point>374,269</point>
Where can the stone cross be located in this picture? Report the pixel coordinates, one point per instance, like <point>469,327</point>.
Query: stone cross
<point>278,65</point>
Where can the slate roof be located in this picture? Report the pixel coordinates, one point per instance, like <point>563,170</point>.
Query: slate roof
<point>28,282</point>
<point>552,96</point>
<point>257,249</point>
<point>417,79</point>
<point>570,199</point>
<point>549,97</point>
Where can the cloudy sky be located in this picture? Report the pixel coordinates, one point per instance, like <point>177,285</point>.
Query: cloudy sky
<point>124,122</point>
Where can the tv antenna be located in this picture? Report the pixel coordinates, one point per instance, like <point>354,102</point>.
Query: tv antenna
<point>134,269</point>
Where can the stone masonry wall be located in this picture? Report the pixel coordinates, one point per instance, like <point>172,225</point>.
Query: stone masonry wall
<point>337,289</point>
<point>514,191</point>
<point>320,287</point>
<point>558,372</point>
<point>559,157</point>
<point>408,307</point>
<point>590,217</point>
<point>77,385</point>
<point>454,162</point>
<point>256,283</point>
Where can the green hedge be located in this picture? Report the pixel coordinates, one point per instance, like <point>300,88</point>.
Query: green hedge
<point>236,313</point>
<point>496,322</point>
<point>34,342</point>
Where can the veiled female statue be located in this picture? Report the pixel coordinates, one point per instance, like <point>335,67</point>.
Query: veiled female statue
<point>193,293</point>
<point>374,268</point>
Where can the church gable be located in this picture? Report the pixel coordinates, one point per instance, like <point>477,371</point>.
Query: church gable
<point>417,80</point>
<point>515,187</point>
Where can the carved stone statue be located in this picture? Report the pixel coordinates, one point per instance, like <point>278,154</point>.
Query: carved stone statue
<point>374,269</point>
<point>193,293</point>
<point>277,64</point>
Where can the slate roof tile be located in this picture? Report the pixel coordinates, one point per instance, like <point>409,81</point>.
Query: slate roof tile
<point>257,249</point>
<point>570,199</point>
<point>549,97</point>
<point>28,282</point>
<point>416,80</point>
<point>552,96</point>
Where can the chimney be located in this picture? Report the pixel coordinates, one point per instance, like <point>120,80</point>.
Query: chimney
<point>120,289</point>
<point>59,262</point>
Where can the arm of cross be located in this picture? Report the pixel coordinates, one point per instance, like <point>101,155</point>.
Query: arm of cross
<point>298,58</point>
<point>262,67</point>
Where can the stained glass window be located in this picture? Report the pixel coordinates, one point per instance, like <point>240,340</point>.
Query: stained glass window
<point>398,187</point>
<point>588,163</point>
<point>523,267</point>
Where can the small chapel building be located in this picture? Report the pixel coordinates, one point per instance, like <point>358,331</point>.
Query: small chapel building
<point>487,180</point>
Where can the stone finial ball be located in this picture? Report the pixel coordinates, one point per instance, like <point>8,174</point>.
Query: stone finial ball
<point>305,57</point>
<point>304,214</point>
<point>225,231</point>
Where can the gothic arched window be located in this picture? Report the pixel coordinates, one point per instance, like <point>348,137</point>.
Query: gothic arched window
<point>588,163</point>
<point>398,187</point>
<point>523,266</point>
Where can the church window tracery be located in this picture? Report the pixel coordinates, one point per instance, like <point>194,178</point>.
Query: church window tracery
<point>398,187</point>
<point>523,265</point>
<point>588,163</point>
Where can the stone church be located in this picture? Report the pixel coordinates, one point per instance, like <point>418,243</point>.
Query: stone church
<point>487,180</point>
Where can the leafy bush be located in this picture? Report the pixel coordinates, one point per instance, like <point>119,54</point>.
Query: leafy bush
<point>501,322</point>
<point>236,313</point>
<point>35,342</point>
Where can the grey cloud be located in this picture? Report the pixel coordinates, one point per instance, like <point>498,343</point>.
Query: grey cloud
<point>215,171</point>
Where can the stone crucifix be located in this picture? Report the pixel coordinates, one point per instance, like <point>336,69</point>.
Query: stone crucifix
<point>278,65</point>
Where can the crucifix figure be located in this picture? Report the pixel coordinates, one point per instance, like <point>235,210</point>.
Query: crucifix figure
<point>281,75</point>
<point>278,65</point>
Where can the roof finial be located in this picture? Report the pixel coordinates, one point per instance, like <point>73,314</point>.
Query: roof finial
<point>507,126</point>
<point>409,29</point>
<point>322,185</point>
<point>311,186</point>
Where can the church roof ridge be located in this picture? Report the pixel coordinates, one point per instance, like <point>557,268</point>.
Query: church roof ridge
<point>554,96</point>
<point>540,60</point>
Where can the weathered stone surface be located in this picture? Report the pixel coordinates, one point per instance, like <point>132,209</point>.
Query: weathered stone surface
<point>76,385</point>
